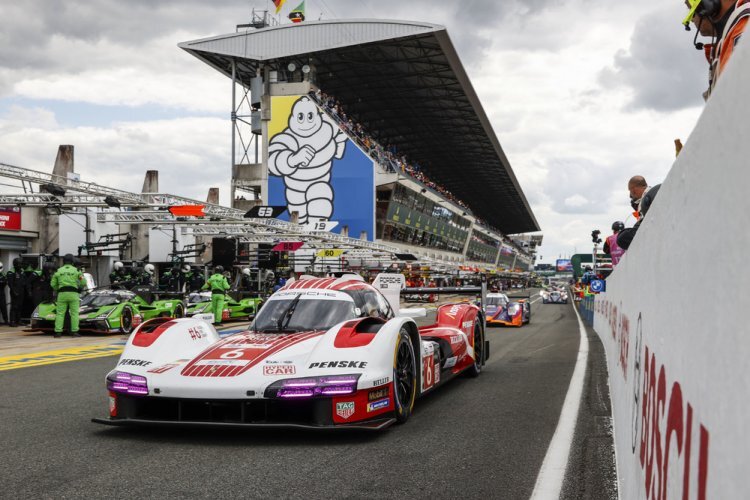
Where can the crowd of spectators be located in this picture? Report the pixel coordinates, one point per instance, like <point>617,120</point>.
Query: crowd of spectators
<point>387,156</point>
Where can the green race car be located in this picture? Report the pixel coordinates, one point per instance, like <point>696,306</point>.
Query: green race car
<point>108,310</point>
<point>234,310</point>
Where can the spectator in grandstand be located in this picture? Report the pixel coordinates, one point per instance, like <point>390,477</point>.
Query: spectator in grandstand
<point>641,198</point>
<point>388,158</point>
<point>724,21</point>
<point>611,247</point>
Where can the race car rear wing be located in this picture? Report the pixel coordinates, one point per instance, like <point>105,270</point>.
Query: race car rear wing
<point>393,285</point>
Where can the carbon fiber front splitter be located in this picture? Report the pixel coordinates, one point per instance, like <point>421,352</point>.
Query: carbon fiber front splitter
<point>370,425</point>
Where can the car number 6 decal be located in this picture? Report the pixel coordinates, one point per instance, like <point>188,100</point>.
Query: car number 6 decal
<point>233,354</point>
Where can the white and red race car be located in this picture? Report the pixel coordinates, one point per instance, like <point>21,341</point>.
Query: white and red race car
<point>321,353</point>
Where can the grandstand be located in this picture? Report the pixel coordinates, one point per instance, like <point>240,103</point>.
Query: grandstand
<point>439,182</point>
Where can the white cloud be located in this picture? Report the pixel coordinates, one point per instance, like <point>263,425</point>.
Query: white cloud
<point>577,200</point>
<point>191,154</point>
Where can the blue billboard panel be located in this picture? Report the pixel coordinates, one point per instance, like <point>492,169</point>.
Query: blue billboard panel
<point>316,170</point>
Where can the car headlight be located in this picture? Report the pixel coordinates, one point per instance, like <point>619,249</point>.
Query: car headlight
<point>35,314</point>
<point>127,383</point>
<point>310,387</point>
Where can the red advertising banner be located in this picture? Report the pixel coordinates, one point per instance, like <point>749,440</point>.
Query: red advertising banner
<point>10,218</point>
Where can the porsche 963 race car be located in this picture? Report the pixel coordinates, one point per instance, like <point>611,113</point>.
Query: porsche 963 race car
<point>321,353</point>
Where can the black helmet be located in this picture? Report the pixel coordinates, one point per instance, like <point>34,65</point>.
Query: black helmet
<point>68,258</point>
<point>219,269</point>
<point>618,226</point>
<point>17,262</point>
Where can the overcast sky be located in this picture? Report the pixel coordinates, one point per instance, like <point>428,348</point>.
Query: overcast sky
<point>582,94</point>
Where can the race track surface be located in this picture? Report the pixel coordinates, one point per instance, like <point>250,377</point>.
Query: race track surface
<point>474,438</point>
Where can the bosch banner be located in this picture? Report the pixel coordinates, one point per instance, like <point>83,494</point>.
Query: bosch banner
<point>316,170</point>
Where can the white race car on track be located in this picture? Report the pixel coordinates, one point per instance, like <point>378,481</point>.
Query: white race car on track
<point>321,353</point>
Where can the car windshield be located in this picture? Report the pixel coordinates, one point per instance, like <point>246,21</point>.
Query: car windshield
<point>307,314</point>
<point>199,298</point>
<point>101,300</point>
<point>496,301</point>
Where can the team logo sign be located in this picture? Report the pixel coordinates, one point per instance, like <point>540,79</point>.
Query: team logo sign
<point>345,410</point>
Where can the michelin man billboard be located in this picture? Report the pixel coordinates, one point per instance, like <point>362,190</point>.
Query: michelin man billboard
<point>316,170</point>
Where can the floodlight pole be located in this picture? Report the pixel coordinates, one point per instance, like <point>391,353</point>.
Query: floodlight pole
<point>234,117</point>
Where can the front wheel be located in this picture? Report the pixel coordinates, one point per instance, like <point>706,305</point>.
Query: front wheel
<point>126,320</point>
<point>404,377</point>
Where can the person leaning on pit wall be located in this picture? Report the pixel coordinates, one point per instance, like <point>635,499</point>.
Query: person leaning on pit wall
<point>724,21</point>
<point>641,197</point>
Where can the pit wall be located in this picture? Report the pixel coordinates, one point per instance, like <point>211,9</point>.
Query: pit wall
<point>674,320</point>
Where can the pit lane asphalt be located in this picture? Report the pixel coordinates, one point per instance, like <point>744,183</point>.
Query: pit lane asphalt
<point>474,438</point>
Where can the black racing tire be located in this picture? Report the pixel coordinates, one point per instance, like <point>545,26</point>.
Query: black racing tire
<point>404,377</point>
<point>179,311</point>
<point>126,320</point>
<point>474,370</point>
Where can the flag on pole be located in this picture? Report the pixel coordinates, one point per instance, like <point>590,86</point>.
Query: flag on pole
<point>278,4</point>
<point>297,15</point>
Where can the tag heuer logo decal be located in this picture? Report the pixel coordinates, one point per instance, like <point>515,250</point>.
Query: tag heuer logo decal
<point>345,410</point>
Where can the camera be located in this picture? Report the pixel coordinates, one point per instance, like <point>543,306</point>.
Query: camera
<point>595,236</point>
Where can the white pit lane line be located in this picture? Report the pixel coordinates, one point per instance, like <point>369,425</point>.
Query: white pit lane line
<point>552,473</point>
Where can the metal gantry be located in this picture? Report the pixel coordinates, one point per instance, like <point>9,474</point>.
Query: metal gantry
<point>151,208</point>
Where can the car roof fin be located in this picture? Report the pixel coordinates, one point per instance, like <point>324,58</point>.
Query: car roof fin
<point>348,277</point>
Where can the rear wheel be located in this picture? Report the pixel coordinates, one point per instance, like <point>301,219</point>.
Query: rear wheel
<point>475,369</point>
<point>126,320</point>
<point>404,377</point>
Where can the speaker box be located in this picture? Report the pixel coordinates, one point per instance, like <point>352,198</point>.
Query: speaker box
<point>224,252</point>
<point>266,258</point>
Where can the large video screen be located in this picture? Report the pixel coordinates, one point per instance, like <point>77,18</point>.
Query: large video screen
<point>564,265</point>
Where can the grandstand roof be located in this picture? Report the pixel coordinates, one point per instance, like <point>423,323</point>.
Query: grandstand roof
<point>405,83</point>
